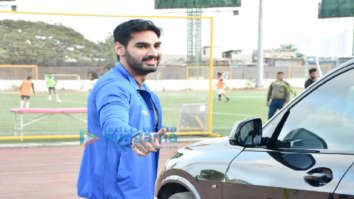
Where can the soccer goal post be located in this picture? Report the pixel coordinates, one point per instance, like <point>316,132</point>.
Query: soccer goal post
<point>13,71</point>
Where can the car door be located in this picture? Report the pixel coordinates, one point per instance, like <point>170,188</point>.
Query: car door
<point>310,146</point>
<point>345,190</point>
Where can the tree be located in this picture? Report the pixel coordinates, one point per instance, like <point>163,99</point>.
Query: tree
<point>25,42</point>
<point>291,47</point>
<point>288,47</point>
<point>106,52</point>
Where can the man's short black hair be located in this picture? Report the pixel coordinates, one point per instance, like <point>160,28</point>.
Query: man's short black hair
<point>29,77</point>
<point>280,73</point>
<point>312,70</point>
<point>219,73</point>
<point>123,31</point>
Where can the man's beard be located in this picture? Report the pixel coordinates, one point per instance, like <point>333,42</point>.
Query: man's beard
<point>138,66</point>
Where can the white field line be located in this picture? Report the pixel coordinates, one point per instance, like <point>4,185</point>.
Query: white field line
<point>203,97</point>
<point>215,113</point>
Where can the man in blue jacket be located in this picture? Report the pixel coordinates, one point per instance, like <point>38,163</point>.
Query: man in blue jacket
<point>125,115</point>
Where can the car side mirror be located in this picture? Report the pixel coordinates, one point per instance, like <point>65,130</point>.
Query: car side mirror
<point>247,133</point>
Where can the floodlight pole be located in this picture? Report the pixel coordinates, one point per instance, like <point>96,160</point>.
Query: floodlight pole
<point>259,81</point>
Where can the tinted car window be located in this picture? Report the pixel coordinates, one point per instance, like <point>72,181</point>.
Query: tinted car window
<point>324,119</point>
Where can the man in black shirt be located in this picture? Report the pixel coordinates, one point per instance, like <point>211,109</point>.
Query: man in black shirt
<point>312,78</point>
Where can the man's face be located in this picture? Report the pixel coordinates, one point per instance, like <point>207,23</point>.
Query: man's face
<point>314,75</point>
<point>280,76</point>
<point>143,52</point>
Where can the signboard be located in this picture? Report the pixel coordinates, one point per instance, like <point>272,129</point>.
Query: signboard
<point>338,8</point>
<point>168,4</point>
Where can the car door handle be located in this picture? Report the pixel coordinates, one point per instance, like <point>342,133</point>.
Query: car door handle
<point>319,177</point>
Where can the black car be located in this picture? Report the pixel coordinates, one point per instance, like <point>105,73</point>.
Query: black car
<point>304,151</point>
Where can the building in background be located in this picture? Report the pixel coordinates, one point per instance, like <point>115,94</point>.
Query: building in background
<point>280,58</point>
<point>238,57</point>
<point>8,5</point>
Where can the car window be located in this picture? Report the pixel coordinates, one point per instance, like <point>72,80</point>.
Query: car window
<point>324,119</point>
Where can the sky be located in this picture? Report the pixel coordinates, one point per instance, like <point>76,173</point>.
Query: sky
<point>284,22</point>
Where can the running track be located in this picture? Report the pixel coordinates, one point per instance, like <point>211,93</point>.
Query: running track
<point>47,172</point>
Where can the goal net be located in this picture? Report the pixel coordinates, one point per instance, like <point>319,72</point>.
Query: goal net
<point>18,72</point>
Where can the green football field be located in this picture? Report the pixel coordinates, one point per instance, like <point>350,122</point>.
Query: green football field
<point>243,104</point>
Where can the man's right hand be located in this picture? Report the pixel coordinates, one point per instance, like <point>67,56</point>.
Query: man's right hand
<point>144,144</point>
<point>267,104</point>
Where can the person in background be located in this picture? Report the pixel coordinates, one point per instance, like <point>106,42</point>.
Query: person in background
<point>26,90</point>
<point>220,86</point>
<point>278,94</point>
<point>51,83</point>
<point>313,77</point>
<point>92,76</point>
<point>106,69</point>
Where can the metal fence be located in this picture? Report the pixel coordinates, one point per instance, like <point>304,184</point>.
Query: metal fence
<point>242,72</point>
<point>164,72</point>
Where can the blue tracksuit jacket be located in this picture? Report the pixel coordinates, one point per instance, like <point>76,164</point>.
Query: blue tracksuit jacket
<point>119,109</point>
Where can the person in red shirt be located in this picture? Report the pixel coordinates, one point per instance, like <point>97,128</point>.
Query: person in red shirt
<point>220,86</point>
<point>26,90</point>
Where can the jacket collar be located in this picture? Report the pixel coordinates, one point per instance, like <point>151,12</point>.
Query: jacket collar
<point>123,71</point>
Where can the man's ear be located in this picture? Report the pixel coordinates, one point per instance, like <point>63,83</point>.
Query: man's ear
<point>119,49</point>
